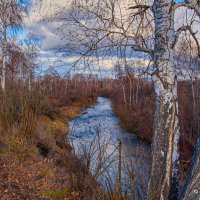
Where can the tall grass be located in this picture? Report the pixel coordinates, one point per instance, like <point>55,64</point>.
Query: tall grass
<point>20,111</point>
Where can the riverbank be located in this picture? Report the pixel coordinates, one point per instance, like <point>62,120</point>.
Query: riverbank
<point>36,162</point>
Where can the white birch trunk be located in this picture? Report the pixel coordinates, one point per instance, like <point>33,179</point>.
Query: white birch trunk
<point>4,55</point>
<point>29,84</point>
<point>164,171</point>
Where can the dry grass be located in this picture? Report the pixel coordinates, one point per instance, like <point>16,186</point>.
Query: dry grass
<point>34,154</point>
<point>71,111</point>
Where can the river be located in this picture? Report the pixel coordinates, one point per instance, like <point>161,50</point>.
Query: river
<point>111,153</point>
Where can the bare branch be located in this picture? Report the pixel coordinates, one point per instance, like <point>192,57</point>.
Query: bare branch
<point>184,29</point>
<point>182,4</point>
<point>194,4</point>
<point>142,49</point>
<point>140,9</point>
<point>191,4</point>
<point>179,31</point>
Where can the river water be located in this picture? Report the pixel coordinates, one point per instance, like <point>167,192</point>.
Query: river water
<point>112,154</point>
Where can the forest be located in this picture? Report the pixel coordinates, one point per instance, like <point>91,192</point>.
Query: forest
<point>99,100</point>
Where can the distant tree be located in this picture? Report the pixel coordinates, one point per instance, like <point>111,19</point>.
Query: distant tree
<point>11,12</point>
<point>30,50</point>
<point>22,60</point>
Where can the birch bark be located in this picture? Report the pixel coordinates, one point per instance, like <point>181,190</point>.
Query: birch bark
<point>164,171</point>
<point>4,55</point>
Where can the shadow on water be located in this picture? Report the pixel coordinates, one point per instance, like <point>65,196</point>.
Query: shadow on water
<point>114,156</point>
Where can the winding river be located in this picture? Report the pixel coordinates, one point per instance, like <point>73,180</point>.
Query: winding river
<point>110,152</point>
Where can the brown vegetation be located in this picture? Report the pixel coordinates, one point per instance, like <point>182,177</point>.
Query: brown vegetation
<point>36,160</point>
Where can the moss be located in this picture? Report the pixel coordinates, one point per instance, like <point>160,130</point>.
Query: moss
<point>14,143</point>
<point>57,194</point>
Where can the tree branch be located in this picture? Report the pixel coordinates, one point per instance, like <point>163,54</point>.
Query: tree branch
<point>182,4</point>
<point>194,4</point>
<point>191,4</point>
<point>142,49</point>
<point>140,9</point>
<point>193,34</point>
<point>178,32</point>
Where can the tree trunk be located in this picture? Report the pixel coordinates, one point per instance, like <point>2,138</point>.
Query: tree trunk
<point>4,54</point>
<point>164,171</point>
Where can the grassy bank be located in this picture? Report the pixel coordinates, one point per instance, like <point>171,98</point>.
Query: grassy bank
<point>36,162</point>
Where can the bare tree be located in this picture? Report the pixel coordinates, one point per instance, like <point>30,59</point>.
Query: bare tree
<point>10,16</point>
<point>30,51</point>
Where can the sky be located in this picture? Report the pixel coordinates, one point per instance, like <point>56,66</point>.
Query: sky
<point>49,40</point>
<point>37,23</point>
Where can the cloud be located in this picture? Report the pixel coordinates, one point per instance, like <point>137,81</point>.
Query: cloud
<point>40,20</point>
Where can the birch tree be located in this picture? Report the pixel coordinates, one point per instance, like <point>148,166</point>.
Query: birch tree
<point>30,50</point>
<point>10,16</point>
<point>93,28</point>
